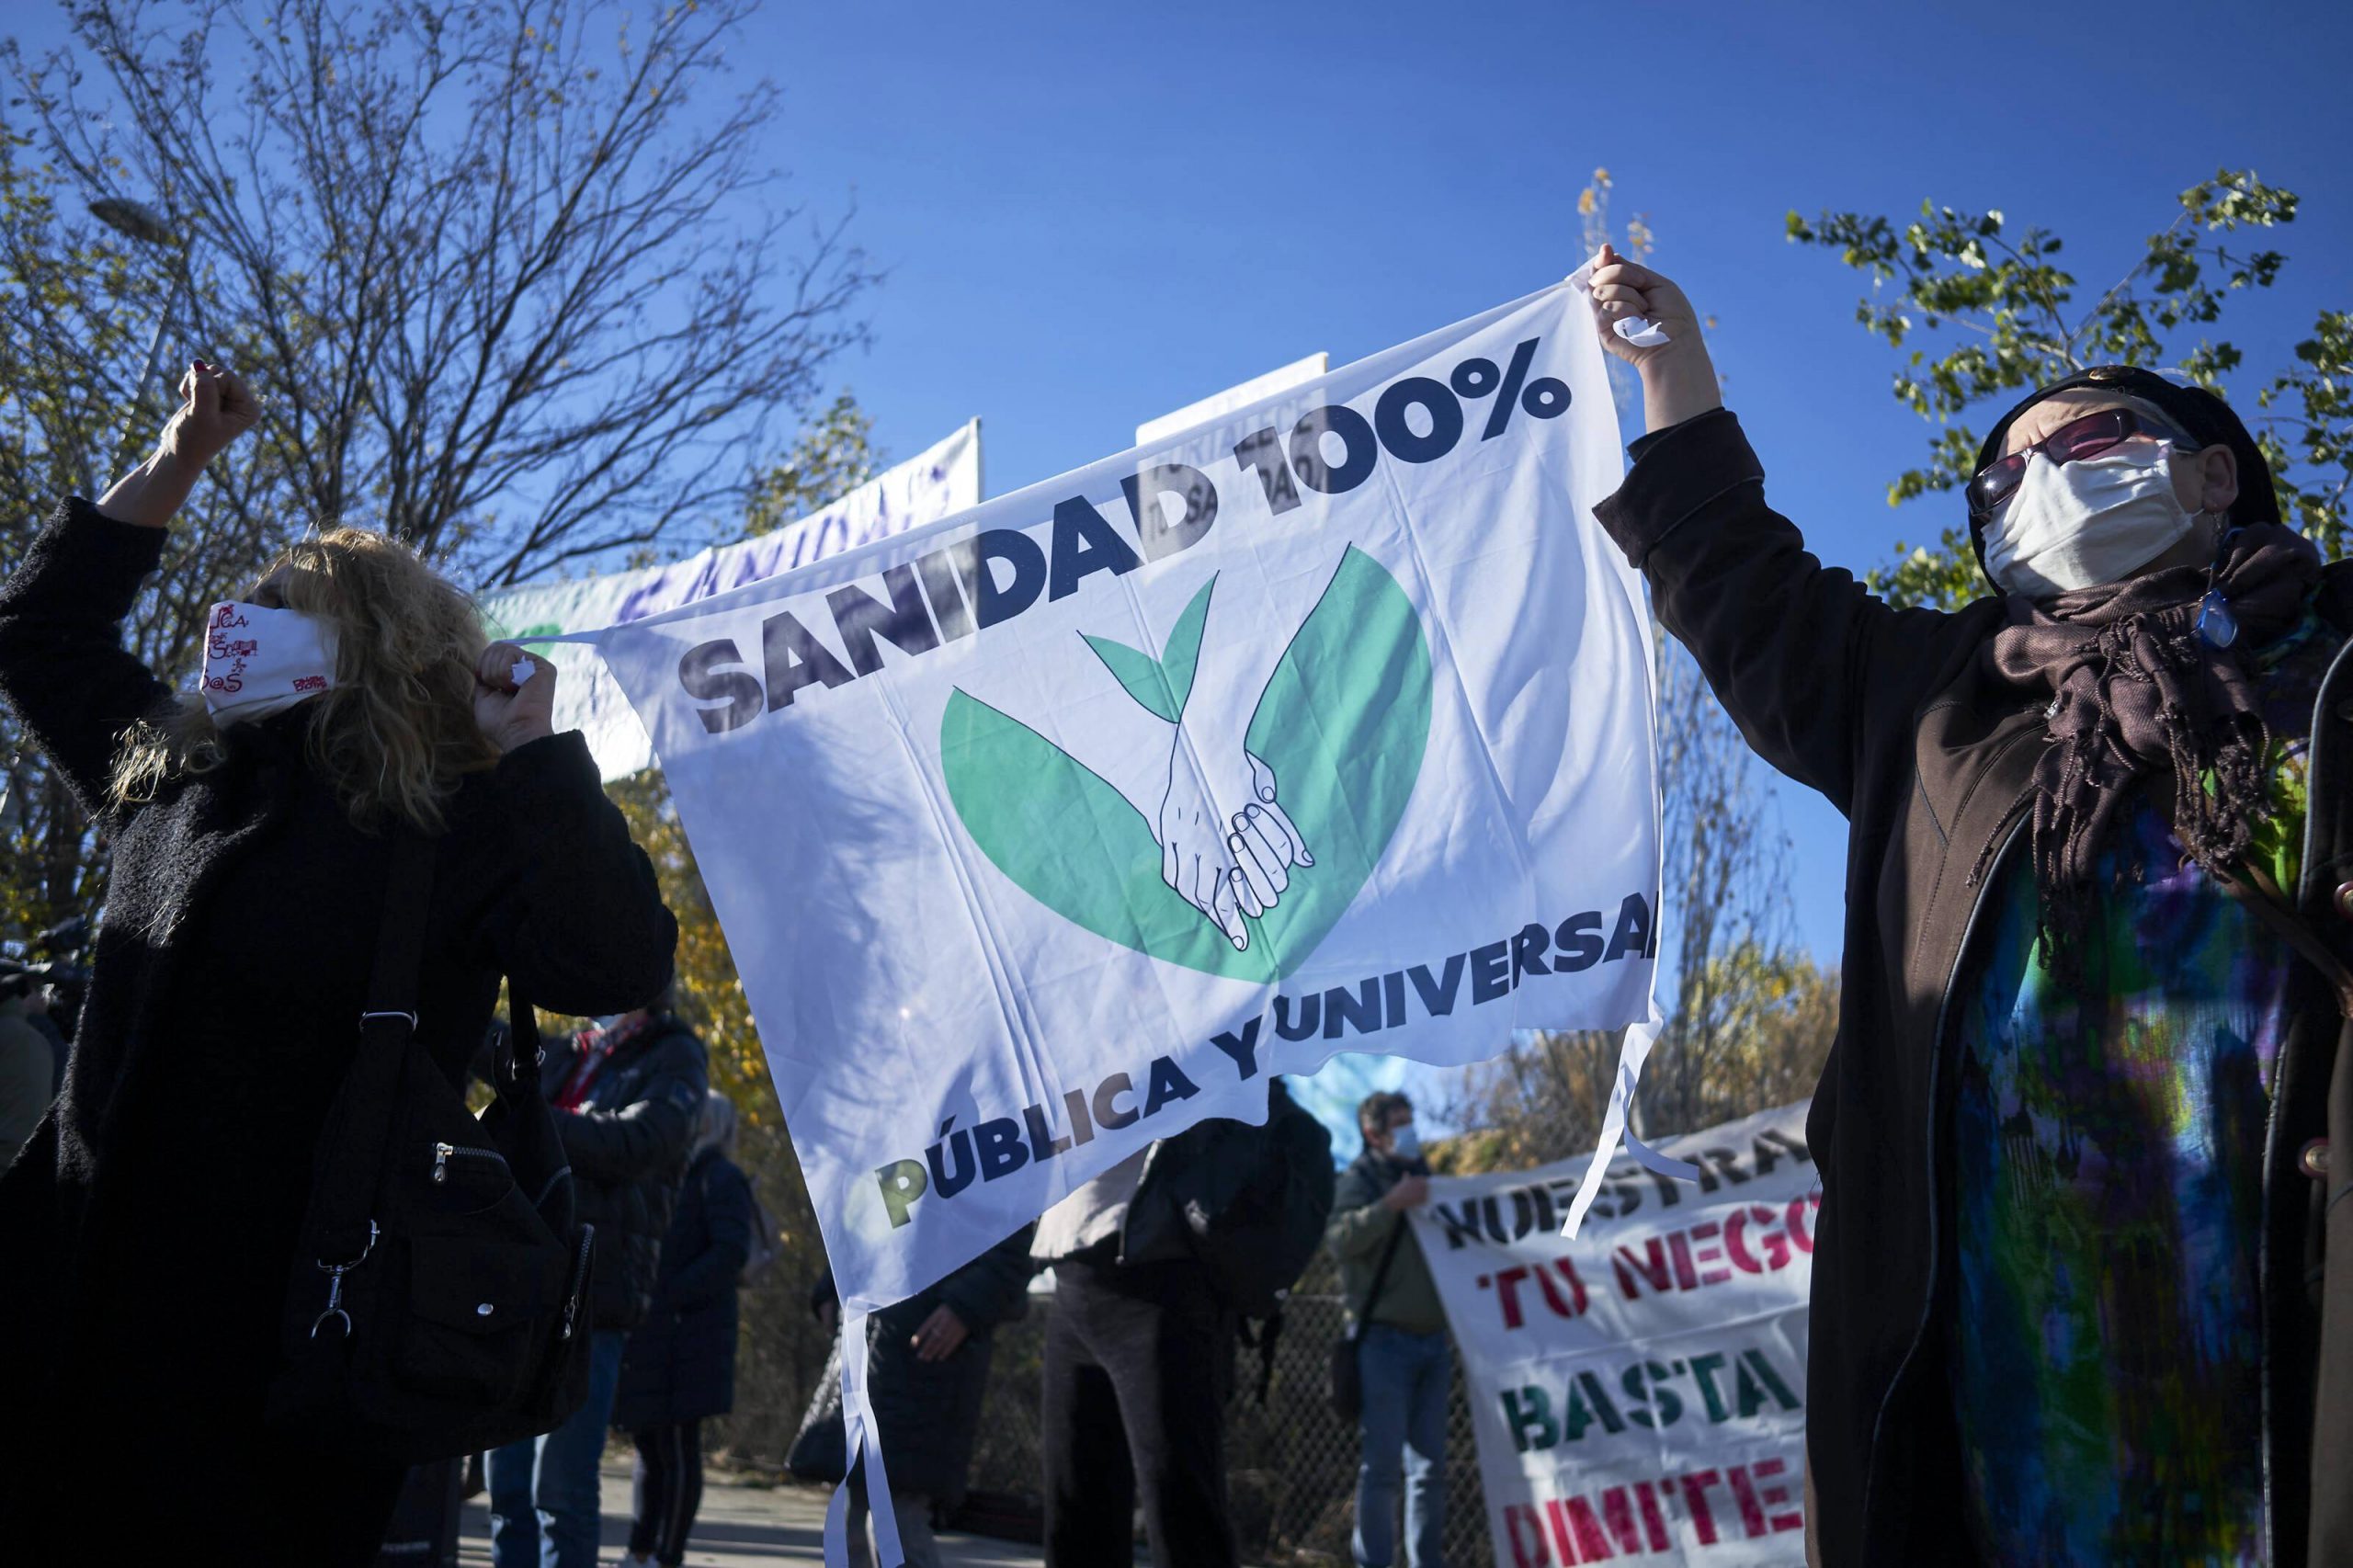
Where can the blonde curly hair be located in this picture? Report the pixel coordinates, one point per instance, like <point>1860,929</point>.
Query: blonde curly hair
<point>396,731</point>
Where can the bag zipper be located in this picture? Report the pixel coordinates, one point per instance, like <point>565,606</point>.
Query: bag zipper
<point>444,1153</point>
<point>579,1278</point>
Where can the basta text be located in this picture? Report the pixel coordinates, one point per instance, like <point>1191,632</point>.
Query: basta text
<point>1714,1386</point>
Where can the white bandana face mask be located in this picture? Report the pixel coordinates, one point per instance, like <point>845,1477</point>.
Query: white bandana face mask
<point>259,661</point>
<point>2096,520</point>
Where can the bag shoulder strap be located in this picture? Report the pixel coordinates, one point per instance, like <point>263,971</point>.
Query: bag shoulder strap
<point>1380,1273</point>
<point>349,1166</point>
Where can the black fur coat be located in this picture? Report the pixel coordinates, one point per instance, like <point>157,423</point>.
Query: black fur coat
<point>144,1232</point>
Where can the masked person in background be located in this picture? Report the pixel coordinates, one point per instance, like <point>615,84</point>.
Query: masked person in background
<point>679,1369</point>
<point>927,1371</point>
<point>1405,1362</point>
<point>627,1099</point>
<point>148,1232</point>
<point>2075,1299</point>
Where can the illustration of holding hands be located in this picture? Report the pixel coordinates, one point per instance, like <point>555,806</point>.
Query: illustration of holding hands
<point>1227,847</point>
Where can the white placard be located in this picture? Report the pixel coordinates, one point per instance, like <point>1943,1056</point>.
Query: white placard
<point>1637,1393</point>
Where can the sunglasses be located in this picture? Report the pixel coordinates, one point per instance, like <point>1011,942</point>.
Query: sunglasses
<point>2078,438</point>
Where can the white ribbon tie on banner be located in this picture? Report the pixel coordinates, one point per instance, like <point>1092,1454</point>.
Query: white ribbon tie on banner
<point>862,1440</point>
<point>1635,1049</point>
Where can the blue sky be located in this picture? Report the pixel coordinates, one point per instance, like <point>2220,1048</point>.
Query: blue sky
<point>1095,213</point>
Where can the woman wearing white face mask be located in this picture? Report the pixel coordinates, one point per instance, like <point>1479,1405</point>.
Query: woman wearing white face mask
<point>2080,1294</point>
<point>147,1232</point>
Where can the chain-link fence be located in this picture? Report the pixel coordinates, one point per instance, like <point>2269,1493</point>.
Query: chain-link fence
<point>1291,1464</point>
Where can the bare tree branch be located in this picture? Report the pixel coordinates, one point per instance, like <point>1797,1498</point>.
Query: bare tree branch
<point>512,280</point>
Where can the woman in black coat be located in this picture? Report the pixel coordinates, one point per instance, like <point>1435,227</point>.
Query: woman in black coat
<point>680,1365</point>
<point>146,1232</point>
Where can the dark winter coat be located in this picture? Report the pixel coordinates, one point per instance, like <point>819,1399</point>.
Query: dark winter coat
<point>628,1145</point>
<point>1888,713</point>
<point>145,1233</point>
<point>681,1359</point>
<point>929,1411</point>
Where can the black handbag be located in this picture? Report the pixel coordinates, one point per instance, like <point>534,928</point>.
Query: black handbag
<point>820,1449</point>
<point>436,1305</point>
<point>1348,1371</point>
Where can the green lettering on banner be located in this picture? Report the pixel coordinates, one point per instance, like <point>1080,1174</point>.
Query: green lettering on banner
<point>1528,1411</point>
<point>1589,1403</point>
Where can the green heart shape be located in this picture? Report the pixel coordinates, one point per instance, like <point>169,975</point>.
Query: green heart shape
<point>1344,722</point>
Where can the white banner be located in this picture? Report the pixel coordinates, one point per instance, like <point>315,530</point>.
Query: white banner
<point>924,489</point>
<point>1637,1393</point>
<point>1050,830</point>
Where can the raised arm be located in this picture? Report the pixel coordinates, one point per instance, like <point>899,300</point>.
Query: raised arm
<point>63,670</point>
<point>1796,652</point>
<point>574,915</point>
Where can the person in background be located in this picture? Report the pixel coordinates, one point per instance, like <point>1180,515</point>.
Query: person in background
<point>627,1096</point>
<point>926,1373</point>
<point>26,1064</point>
<point>2083,1282</point>
<point>1139,1366</point>
<point>148,1232</point>
<point>1404,1360</point>
<point>680,1365</point>
<point>1157,1262</point>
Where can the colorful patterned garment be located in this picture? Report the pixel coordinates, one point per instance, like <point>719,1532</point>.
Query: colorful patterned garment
<point>2105,1337</point>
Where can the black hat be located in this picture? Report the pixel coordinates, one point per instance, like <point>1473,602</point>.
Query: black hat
<point>2204,417</point>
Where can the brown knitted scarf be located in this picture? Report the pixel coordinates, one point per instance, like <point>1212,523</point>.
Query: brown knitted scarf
<point>2137,696</point>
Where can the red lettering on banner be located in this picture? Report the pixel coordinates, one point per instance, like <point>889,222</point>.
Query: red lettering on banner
<point>1704,1255</point>
<point>1752,1516</point>
<point>1524,1529</point>
<point>1505,1283</point>
<point>1755,1240</point>
<point>1577,1532</point>
<point>1628,1520</point>
<point>1507,1287</point>
<point>1801,1221</point>
<point>1651,1267</point>
<point>1568,1306</point>
<point>1775,1497</point>
<point>1652,1522</point>
<point>1695,1503</point>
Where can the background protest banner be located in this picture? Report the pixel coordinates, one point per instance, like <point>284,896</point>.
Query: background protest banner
<point>1051,829</point>
<point>1637,1393</point>
<point>922,489</point>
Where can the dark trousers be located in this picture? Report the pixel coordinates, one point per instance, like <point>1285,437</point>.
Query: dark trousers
<point>668,1490</point>
<point>1139,1362</point>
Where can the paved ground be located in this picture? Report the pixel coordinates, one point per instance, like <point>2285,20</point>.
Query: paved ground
<point>745,1527</point>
